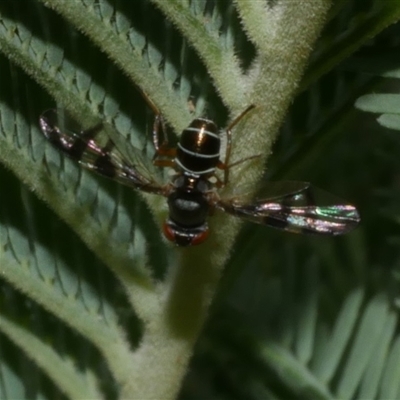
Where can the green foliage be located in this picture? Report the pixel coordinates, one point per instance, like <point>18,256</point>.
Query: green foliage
<point>95,304</point>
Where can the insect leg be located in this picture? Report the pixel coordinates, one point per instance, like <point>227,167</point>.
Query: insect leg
<point>158,124</point>
<point>243,160</point>
<point>162,150</point>
<point>159,135</point>
<point>159,131</point>
<point>164,163</point>
<point>225,165</point>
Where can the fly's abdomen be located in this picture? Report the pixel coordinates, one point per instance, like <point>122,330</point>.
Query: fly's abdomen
<point>198,150</point>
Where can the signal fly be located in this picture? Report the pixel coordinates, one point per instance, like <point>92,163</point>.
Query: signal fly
<point>193,192</point>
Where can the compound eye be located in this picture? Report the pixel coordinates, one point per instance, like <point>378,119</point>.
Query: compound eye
<point>169,233</point>
<point>184,238</point>
<point>200,238</point>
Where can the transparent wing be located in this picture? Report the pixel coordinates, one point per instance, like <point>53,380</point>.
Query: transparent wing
<point>295,207</point>
<point>96,151</point>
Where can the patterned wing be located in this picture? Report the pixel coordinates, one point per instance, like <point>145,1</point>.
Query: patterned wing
<point>295,207</point>
<point>96,151</point>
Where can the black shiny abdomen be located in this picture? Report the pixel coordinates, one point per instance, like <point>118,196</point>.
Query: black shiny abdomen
<point>201,136</point>
<point>198,150</point>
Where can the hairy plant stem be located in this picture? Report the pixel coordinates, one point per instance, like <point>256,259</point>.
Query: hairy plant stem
<point>184,299</point>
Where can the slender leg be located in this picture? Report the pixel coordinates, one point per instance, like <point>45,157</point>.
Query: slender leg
<point>239,117</point>
<point>149,102</point>
<point>243,160</point>
<point>164,163</point>
<point>162,149</point>
<point>225,166</point>
<point>159,135</point>
<point>159,130</point>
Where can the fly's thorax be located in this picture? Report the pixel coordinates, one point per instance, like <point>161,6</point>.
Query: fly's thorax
<point>198,151</point>
<point>188,205</point>
<point>188,209</point>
